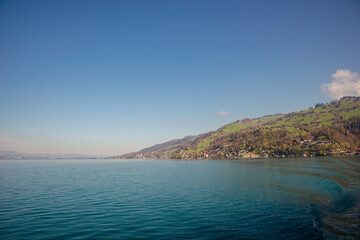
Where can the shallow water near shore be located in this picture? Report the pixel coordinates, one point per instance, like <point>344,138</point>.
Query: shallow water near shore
<point>302,198</point>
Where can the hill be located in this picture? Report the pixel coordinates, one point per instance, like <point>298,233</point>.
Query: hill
<point>326,129</point>
<point>20,155</point>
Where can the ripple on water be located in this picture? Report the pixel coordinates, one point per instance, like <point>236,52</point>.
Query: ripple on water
<point>310,198</point>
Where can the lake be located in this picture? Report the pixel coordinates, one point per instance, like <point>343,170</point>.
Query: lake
<point>302,198</point>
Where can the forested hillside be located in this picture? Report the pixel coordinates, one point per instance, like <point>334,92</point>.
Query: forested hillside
<point>325,129</point>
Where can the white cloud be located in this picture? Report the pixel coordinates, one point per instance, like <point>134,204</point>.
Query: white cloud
<point>222,113</point>
<point>345,83</point>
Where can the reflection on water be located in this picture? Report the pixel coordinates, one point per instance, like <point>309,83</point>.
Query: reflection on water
<point>309,198</point>
<point>334,216</point>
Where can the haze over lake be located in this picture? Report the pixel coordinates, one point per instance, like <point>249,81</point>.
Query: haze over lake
<point>303,198</point>
<point>201,119</point>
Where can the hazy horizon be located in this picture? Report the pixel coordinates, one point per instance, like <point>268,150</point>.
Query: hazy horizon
<point>112,77</point>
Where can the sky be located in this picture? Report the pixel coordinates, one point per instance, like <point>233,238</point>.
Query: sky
<point>111,77</point>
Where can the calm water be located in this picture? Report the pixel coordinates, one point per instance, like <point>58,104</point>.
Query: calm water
<point>314,198</point>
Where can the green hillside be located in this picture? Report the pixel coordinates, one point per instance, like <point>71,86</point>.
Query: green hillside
<point>325,129</point>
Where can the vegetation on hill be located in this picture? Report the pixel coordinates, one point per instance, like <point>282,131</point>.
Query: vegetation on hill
<point>325,129</point>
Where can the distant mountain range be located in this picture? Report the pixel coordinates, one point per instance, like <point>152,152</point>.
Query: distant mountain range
<point>326,129</point>
<point>20,155</point>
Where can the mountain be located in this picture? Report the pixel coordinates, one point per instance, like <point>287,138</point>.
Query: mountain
<point>326,129</point>
<point>20,155</point>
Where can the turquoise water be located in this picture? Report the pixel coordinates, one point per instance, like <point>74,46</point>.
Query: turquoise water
<point>314,198</point>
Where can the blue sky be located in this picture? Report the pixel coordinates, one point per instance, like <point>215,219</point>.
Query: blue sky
<point>110,77</point>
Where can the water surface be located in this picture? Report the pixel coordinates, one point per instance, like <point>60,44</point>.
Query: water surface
<point>307,198</point>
